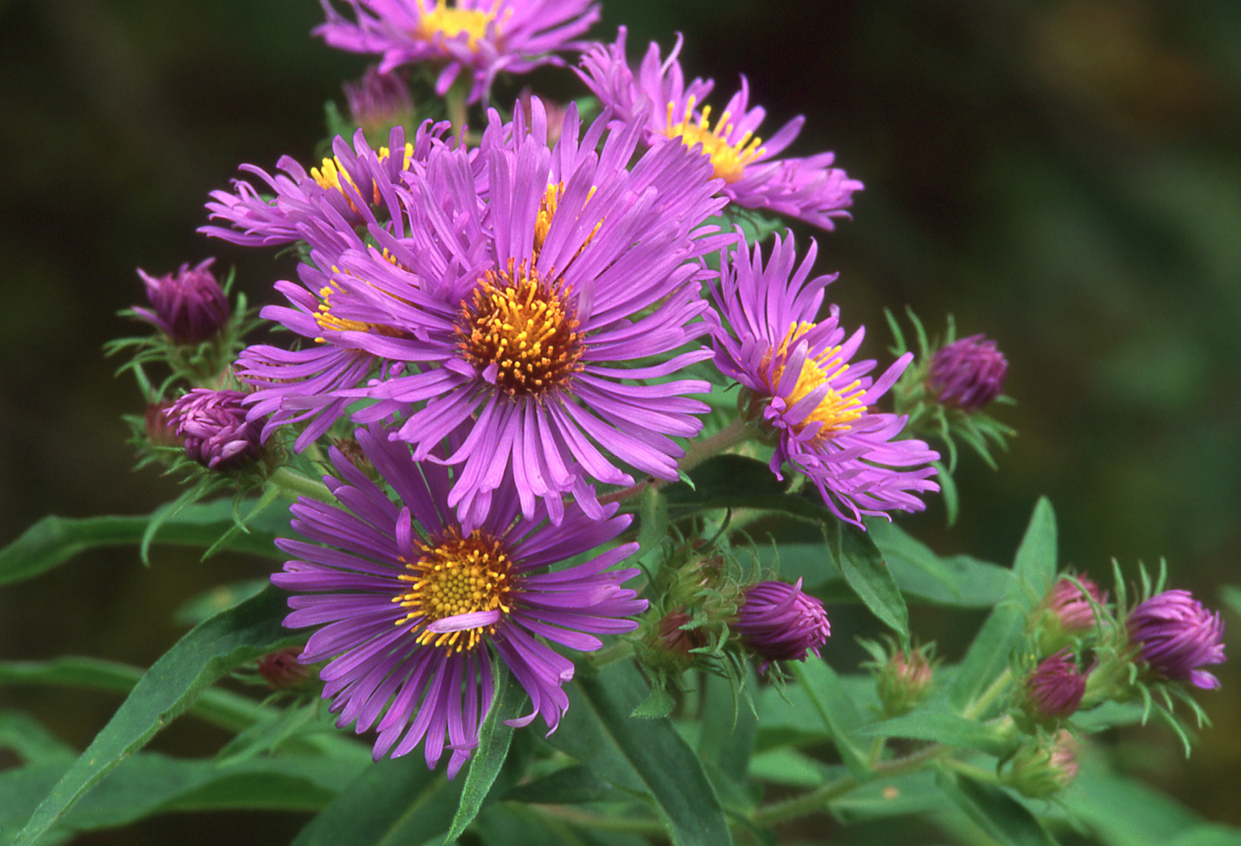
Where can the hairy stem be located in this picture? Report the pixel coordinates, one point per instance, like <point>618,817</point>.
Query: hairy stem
<point>299,485</point>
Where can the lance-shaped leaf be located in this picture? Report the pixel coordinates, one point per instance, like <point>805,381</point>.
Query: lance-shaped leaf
<point>1004,819</point>
<point>240,634</point>
<point>54,540</point>
<point>642,755</point>
<point>1034,570</point>
<point>864,569</point>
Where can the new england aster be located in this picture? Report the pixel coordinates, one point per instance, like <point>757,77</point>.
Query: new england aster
<point>479,37</point>
<point>668,109</point>
<point>529,312</point>
<point>414,605</point>
<point>806,391</point>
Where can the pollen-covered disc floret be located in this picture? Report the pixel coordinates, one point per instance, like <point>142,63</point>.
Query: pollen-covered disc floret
<point>413,606</point>
<point>480,37</point>
<point>523,328</point>
<point>805,388</point>
<point>659,101</point>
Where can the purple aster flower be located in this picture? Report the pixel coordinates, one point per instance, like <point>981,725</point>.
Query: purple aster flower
<point>532,312</point>
<point>379,101</point>
<point>1176,635</point>
<point>188,306</point>
<point>215,429</point>
<point>668,109</point>
<point>479,37</point>
<point>968,373</point>
<point>780,623</point>
<point>352,188</point>
<point>415,605</point>
<point>806,390</point>
<point>1055,688</point>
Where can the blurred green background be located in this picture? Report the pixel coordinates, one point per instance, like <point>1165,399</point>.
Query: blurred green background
<point>1063,176</point>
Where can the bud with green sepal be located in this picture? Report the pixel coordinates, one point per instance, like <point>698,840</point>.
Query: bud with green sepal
<point>1069,617</point>
<point>1042,768</point>
<point>904,678</point>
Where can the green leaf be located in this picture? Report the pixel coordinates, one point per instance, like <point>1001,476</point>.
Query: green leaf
<point>31,741</point>
<point>864,570</point>
<point>1123,811</point>
<point>395,802</point>
<point>54,540</point>
<point>653,528</point>
<point>915,793</point>
<point>836,708</point>
<point>237,635</point>
<point>657,705</point>
<point>572,785</point>
<point>1034,570</point>
<point>734,481</point>
<point>647,756</point>
<point>494,737</point>
<point>944,727</point>
<point>516,825</point>
<point>726,739</point>
<point>999,815</point>
<point>957,580</point>
<point>789,767</point>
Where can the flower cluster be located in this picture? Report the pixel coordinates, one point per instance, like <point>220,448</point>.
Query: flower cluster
<point>522,322</point>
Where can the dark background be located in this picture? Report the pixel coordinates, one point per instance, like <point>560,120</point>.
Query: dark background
<point>1062,176</point>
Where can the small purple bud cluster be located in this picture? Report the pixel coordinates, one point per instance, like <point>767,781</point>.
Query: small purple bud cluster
<point>781,623</point>
<point>216,432</point>
<point>968,373</point>
<point>1055,689</point>
<point>188,306</point>
<point>1176,635</point>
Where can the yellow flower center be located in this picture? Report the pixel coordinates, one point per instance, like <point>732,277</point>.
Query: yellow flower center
<point>329,321</point>
<point>330,173</point>
<point>525,327</point>
<point>457,575</point>
<point>838,407</point>
<point>729,160</point>
<point>451,22</point>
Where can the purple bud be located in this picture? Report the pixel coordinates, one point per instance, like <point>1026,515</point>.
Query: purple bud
<point>1176,635</point>
<point>1071,607</point>
<point>555,114</point>
<point>282,671</point>
<point>189,305</point>
<point>1054,690</point>
<point>378,101</point>
<point>781,623</point>
<point>968,373</point>
<point>217,434</point>
<point>159,430</point>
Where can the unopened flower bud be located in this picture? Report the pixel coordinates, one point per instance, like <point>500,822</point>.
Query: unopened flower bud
<point>1054,690</point>
<point>159,430</point>
<point>1072,608</point>
<point>968,373</point>
<point>216,432</point>
<point>281,669</point>
<point>1176,635</point>
<point>188,306</point>
<point>1038,770</point>
<point>379,101</point>
<point>781,623</point>
<point>905,681</point>
<point>555,114</point>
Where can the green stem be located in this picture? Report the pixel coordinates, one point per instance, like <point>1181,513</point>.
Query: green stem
<point>979,705</point>
<point>299,485</point>
<point>454,101</point>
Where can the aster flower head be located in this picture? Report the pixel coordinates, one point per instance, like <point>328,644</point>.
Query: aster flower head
<point>414,605</point>
<point>781,623</point>
<point>188,306</point>
<point>1054,689</point>
<point>324,205</point>
<point>214,427</point>
<point>806,391</point>
<point>481,38</point>
<point>968,373</point>
<point>1175,636</point>
<point>549,314</point>
<point>669,109</point>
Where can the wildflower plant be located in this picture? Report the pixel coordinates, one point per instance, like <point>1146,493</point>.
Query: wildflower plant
<point>558,481</point>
